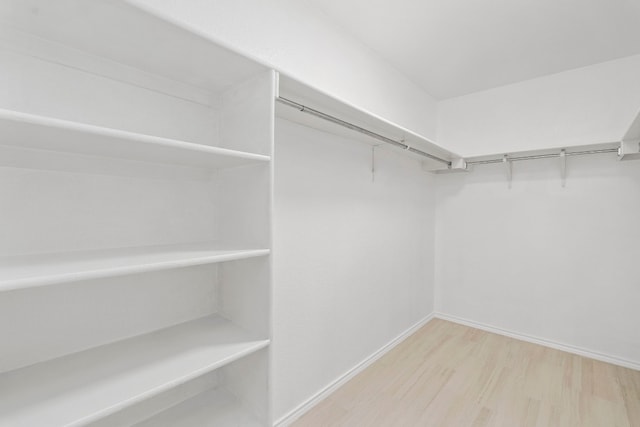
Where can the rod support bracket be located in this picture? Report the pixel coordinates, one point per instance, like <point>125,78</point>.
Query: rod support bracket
<point>563,167</point>
<point>507,163</point>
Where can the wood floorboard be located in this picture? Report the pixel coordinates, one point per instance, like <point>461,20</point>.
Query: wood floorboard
<point>450,375</point>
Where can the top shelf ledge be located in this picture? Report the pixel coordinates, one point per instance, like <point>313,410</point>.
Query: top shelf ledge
<point>38,132</point>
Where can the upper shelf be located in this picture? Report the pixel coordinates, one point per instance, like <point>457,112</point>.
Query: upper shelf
<point>78,389</point>
<point>19,272</point>
<point>296,91</point>
<point>126,34</point>
<point>45,133</point>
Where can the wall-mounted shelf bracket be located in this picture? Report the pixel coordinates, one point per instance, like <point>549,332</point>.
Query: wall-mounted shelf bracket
<point>373,163</point>
<point>563,168</point>
<point>459,165</point>
<point>507,163</point>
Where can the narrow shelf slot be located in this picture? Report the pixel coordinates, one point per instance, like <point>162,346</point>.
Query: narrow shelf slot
<point>213,408</point>
<point>45,133</point>
<point>83,387</point>
<point>18,272</point>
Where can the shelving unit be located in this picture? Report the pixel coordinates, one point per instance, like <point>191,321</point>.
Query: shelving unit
<point>83,387</point>
<point>136,191</point>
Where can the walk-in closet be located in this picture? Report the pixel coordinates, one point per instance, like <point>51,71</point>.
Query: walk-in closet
<point>319,213</point>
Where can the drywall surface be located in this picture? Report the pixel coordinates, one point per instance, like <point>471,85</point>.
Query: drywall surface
<point>299,40</point>
<point>555,263</point>
<point>353,258</point>
<point>589,105</point>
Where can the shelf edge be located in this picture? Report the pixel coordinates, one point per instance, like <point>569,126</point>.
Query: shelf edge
<point>258,345</point>
<point>78,127</point>
<point>10,285</point>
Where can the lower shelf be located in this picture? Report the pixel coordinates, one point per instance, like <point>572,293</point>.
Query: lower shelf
<point>213,408</point>
<point>83,387</point>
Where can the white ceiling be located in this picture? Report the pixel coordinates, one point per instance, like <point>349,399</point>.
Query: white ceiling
<point>455,47</point>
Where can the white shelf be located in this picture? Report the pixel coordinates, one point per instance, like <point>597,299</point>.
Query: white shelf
<point>126,69</point>
<point>297,91</point>
<point>215,408</point>
<point>123,32</point>
<point>17,272</point>
<point>45,133</point>
<point>84,387</point>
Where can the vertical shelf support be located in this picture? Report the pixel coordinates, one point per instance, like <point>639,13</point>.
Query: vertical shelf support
<point>563,168</point>
<point>507,163</point>
<point>373,163</point>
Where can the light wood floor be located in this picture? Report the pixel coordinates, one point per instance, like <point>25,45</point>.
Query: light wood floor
<point>452,375</point>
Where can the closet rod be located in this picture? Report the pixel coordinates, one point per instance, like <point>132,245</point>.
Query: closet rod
<point>542,156</point>
<point>357,128</point>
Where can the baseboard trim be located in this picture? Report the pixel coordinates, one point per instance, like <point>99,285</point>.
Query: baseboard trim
<point>334,385</point>
<point>541,341</point>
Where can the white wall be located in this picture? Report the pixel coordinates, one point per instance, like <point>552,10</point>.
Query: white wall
<point>353,259</point>
<point>588,105</point>
<point>551,262</point>
<point>303,43</point>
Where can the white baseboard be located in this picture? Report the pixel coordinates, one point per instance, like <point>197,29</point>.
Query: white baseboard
<point>541,341</point>
<point>333,386</point>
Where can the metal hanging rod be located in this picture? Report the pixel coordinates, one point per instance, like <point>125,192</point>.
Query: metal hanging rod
<point>542,156</point>
<point>357,128</point>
